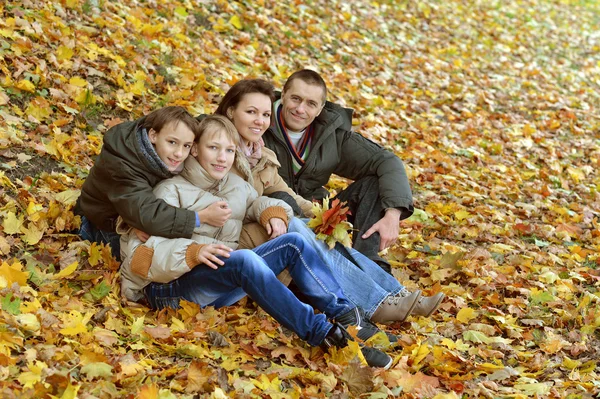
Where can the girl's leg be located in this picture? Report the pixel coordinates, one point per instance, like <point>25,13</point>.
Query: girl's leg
<point>308,271</point>
<point>249,271</point>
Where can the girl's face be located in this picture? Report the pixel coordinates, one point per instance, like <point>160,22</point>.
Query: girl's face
<point>215,153</point>
<point>173,143</point>
<point>252,116</point>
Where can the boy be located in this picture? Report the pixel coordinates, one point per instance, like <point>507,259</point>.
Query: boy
<point>134,158</point>
<point>206,270</point>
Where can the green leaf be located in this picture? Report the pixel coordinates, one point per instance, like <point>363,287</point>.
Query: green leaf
<point>181,11</point>
<point>11,305</point>
<point>100,290</point>
<point>542,297</point>
<point>476,336</point>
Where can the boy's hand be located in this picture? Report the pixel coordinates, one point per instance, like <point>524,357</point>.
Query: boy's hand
<point>208,255</point>
<point>276,227</point>
<point>216,214</point>
<point>141,235</point>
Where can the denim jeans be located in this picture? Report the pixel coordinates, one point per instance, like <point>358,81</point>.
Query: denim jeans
<point>255,271</point>
<point>362,280</point>
<point>88,231</point>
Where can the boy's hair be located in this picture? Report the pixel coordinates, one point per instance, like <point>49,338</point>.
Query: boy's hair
<point>240,89</point>
<point>157,119</point>
<point>310,78</point>
<point>214,124</point>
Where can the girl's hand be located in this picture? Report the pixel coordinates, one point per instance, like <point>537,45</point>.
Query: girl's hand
<point>275,228</point>
<point>141,235</point>
<point>208,255</point>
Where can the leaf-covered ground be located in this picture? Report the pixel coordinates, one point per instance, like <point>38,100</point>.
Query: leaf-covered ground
<point>493,106</point>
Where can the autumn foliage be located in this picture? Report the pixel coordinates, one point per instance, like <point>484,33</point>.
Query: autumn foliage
<point>330,223</point>
<point>493,107</point>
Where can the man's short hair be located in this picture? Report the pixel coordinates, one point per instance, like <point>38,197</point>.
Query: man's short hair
<point>309,77</point>
<point>214,124</point>
<point>157,119</point>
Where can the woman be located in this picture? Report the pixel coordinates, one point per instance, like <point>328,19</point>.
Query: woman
<point>248,104</point>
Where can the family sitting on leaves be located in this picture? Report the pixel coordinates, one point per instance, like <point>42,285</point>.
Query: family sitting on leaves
<point>213,208</point>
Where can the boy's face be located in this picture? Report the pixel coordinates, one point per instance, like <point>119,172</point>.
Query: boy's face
<point>215,153</point>
<point>173,143</point>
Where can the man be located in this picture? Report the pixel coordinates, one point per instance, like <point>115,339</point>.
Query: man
<point>313,140</point>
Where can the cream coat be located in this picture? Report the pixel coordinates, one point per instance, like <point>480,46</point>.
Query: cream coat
<point>194,189</point>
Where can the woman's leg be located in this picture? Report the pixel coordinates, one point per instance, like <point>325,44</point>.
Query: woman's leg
<point>249,271</point>
<point>360,281</point>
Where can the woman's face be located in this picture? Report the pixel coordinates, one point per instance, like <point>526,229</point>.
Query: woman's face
<point>252,116</point>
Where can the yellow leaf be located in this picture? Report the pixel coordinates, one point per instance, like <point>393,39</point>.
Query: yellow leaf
<point>13,274</point>
<point>75,323</point>
<point>5,181</point>
<point>138,88</point>
<point>26,85</point>
<point>68,197</point>
<point>138,325</point>
<point>77,81</point>
<point>465,315</point>
<point>461,215</point>
<point>28,322</point>
<point>29,378</point>
<point>148,392</point>
<point>235,21</point>
<point>32,235</point>
<point>11,224</point>
<point>95,254</point>
<point>570,363</point>
<point>67,271</point>
<point>64,53</point>
<point>70,392</point>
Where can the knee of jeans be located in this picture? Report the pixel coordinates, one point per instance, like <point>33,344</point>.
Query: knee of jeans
<point>296,239</point>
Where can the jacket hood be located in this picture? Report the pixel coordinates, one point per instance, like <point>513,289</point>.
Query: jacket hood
<point>199,177</point>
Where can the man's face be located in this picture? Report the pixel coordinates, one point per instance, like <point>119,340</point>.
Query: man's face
<point>173,143</point>
<point>301,104</point>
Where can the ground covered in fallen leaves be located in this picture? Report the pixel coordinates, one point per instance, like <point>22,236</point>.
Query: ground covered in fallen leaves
<point>493,106</point>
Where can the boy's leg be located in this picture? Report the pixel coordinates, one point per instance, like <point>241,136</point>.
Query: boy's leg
<point>88,231</point>
<point>245,269</point>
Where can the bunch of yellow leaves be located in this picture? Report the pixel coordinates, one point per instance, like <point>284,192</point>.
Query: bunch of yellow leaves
<point>331,224</point>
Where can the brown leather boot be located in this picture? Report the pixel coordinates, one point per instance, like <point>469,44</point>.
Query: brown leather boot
<point>396,308</point>
<point>426,305</point>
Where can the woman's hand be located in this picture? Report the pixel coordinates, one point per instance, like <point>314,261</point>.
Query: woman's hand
<point>275,228</point>
<point>207,255</point>
<point>216,214</point>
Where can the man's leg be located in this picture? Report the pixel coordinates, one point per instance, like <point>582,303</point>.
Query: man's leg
<point>362,197</point>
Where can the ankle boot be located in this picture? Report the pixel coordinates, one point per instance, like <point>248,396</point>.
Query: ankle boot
<point>396,308</point>
<point>426,305</point>
<point>338,337</point>
<point>366,329</point>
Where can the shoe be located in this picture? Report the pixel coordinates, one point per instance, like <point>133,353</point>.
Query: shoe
<point>426,305</point>
<point>366,329</point>
<point>397,307</point>
<point>338,337</point>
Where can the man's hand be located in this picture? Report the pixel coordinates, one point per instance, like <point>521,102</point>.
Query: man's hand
<point>141,235</point>
<point>208,255</point>
<point>275,228</point>
<point>216,214</point>
<point>388,228</point>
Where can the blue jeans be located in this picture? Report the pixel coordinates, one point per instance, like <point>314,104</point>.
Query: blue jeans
<point>88,231</point>
<point>255,271</point>
<point>364,282</point>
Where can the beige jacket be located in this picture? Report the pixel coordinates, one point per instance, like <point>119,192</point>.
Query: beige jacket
<point>265,178</point>
<point>194,189</point>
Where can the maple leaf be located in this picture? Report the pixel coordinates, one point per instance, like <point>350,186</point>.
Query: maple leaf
<point>330,224</point>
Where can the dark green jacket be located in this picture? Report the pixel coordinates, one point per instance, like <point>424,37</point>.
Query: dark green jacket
<point>121,183</point>
<point>338,150</point>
